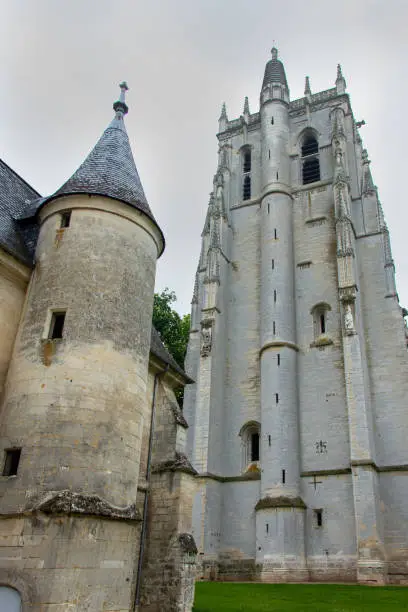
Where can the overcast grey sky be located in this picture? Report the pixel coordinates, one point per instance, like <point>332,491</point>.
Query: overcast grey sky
<point>61,61</point>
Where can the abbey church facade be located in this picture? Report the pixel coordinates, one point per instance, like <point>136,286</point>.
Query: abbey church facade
<point>298,415</point>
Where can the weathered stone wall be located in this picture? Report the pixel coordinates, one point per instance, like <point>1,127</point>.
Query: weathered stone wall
<point>13,284</point>
<point>169,561</point>
<point>65,562</point>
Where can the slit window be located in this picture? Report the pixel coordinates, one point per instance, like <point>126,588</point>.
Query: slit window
<point>65,219</point>
<point>267,527</point>
<point>255,447</point>
<point>274,295</point>
<point>322,323</point>
<point>269,440</point>
<point>274,328</point>
<point>277,398</point>
<point>278,359</point>
<point>283,476</point>
<point>246,190</point>
<point>319,518</point>
<point>57,325</point>
<point>273,264</point>
<point>11,461</point>
<point>275,233</point>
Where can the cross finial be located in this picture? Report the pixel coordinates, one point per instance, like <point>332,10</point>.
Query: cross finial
<point>120,106</point>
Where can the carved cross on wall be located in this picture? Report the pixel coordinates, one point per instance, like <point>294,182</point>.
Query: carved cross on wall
<point>315,482</point>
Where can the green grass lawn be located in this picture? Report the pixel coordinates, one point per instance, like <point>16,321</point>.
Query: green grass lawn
<point>233,597</point>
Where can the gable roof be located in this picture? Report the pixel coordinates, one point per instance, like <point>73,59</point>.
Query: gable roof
<point>158,349</point>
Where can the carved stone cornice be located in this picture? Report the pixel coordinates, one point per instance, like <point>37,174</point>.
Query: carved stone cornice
<point>280,502</point>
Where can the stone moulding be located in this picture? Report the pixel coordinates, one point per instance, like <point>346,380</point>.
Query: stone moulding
<point>240,478</point>
<point>280,502</point>
<point>68,502</point>
<point>180,463</point>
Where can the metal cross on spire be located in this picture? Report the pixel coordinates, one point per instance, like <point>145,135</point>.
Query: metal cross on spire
<point>120,105</point>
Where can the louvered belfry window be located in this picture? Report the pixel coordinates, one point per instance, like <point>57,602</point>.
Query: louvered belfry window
<point>310,160</point>
<point>246,172</point>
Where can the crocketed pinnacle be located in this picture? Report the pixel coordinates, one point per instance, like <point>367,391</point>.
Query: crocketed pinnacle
<point>110,170</point>
<point>274,71</point>
<point>246,106</point>
<point>223,112</point>
<point>308,91</point>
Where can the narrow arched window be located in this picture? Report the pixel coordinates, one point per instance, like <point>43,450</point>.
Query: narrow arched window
<point>320,319</point>
<point>310,160</point>
<point>246,174</point>
<point>250,444</point>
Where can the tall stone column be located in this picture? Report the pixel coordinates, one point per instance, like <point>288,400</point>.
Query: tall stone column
<point>280,511</point>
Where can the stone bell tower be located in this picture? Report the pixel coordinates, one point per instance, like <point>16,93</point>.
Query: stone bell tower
<point>298,350</point>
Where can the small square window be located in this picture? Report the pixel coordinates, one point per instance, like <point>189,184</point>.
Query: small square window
<point>57,325</point>
<point>65,219</point>
<point>11,461</point>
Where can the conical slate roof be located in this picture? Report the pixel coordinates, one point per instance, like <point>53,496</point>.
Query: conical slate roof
<point>109,170</point>
<point>274,71</point>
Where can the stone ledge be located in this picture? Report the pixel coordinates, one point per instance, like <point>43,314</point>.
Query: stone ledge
<point>320,342</point>
<point>240,478</point>
<point>180,463</point>
<point>67,502</point>
<point>334,472</point>
<point>280,502</point>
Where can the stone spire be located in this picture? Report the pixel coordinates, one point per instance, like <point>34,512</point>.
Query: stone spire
<point>110,170</point>
<point>274,71</point>
<point>223,120</point>
<point>340,81</point>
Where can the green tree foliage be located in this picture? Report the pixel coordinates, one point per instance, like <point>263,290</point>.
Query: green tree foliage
<point>172,328</point>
